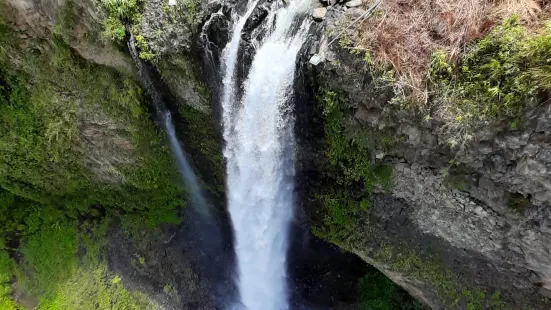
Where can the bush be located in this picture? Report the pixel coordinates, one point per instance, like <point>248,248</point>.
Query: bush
<point>492,81</point>
<point>142,45</point>
<point>113,30</point>
<point>122,9</point>
<point>6,275</point>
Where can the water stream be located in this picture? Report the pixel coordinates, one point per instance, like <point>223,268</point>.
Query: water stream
<point>258,131</point>
<point>192,184</point>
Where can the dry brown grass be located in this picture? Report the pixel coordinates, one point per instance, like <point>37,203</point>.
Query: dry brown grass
<point>527,10</point>
<point>406,32</point>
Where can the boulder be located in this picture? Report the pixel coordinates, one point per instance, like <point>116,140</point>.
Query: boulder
<point>354,3</point>
<point>319,14</point>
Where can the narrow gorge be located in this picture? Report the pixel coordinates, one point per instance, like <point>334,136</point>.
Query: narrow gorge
<point>275,154</point>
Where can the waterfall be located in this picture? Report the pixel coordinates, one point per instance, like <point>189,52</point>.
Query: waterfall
<point>258,131</point>
<point>195,193</point>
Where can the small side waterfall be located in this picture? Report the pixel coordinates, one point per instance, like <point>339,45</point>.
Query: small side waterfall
<point>192,184</point>
<point>258,130</point>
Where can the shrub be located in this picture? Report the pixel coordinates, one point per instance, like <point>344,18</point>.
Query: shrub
<point>492,81</point>
<point>6,275</point>
<point>142,45</point>
<point>113,30</point>
<point>119,14</point>
<point>123,9</point>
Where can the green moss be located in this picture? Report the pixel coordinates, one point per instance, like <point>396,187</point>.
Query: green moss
<point>170,289</point>
<point>49,259</point>
<point>377,292</point>
<point>48,97</point>
<point>17,215</point>
<point>6,276</point>
<point>52,272</point>
<point>65,18</point>
<point>45,97</point>
<point>350,145</point>
<point>94,287</point>
<point>179,72</point>
<point>339,218</point>
<point>201,139</point>
<point>429,269</point>
<point>518,203</point>
<point>493,80</point>
<point>354,169</point>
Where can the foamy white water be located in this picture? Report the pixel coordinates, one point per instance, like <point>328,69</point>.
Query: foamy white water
<point>259,151</point>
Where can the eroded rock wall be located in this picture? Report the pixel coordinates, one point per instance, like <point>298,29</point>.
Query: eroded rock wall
<point>468,228</point>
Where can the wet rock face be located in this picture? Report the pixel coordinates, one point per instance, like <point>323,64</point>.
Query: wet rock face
<point>396,230</point>
<point>322,275</point>
<point>38,19</point>
<point>170,29</point>
<point>107,146</point>
<point>486,214</point>
<point>155,264</point>
<point>516,247</point>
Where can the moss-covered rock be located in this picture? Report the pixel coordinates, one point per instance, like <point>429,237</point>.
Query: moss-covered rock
<point>79,146</point>
<point>76,134</point>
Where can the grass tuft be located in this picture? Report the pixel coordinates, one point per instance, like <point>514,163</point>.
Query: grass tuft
<point>493,80</point>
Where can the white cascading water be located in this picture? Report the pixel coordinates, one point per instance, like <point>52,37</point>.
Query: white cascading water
<point>258,131</point>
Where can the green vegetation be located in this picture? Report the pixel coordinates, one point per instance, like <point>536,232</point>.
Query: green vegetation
<point>52,108</point>
<point>350,146</point>
<point>50,259</point>
<point>339,218</point>
<point>429,269</point>
<point>113,29</point>
<point>141,44</point>
<point>52,271</point>
<point>126,10</point>
<point>377,292</point>
<point>76,147</point>
<point>6,275</point>
<point>122,13</point>
<point>200,136</point>
<point>353,166</point>
<point>188,12</point>
<point>170,290</point>
<point>204,142</point>
<point>493,80</point>
<point>518,203</point>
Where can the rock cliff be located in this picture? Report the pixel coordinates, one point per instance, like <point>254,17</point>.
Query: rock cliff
<point>458,227</point>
